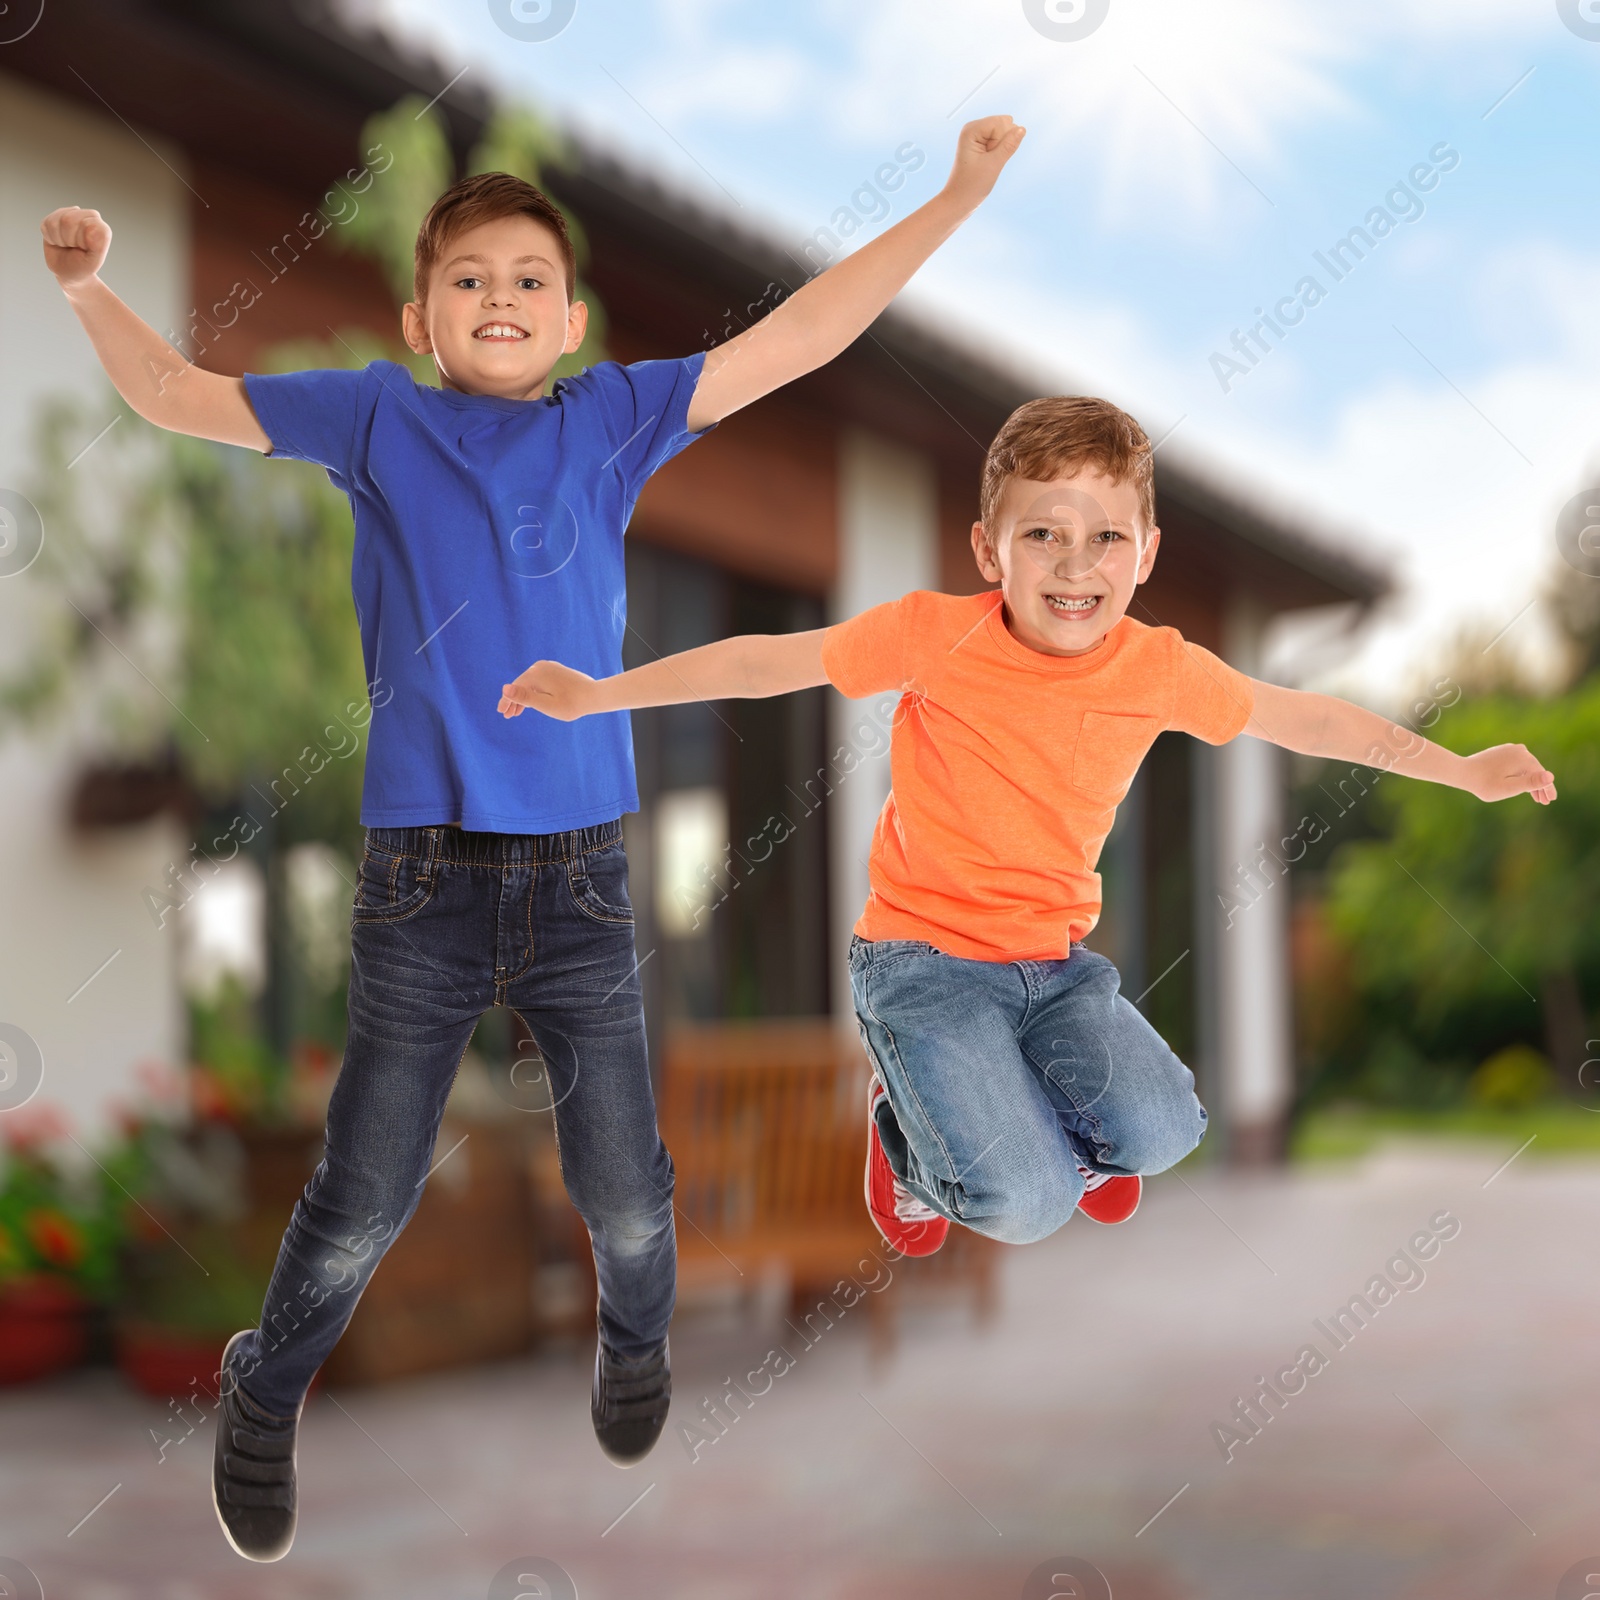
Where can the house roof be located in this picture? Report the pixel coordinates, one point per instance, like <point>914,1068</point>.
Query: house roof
<point>271,87</point>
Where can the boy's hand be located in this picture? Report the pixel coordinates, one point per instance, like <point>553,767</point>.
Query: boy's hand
<point>560,692</point>
<point>75,244</point>
<point>1508,769</point>
<point>982,149</point>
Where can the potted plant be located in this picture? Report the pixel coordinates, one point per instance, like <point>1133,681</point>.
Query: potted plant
<point>185,1296</point>
<point>58,1243</point>
<point>184,1285</point>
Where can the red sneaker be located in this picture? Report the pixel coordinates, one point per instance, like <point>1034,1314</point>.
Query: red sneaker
<point>906,1223</point>
<point>1107,1198</point>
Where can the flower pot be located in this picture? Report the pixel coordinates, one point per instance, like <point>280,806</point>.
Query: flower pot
<point>169,1363</point>
<point>173,1363</point>
<point>44,1328</point>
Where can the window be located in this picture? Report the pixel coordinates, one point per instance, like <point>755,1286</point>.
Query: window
<point>728,855</point>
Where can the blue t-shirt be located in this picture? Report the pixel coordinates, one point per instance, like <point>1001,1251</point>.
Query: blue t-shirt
<point>488,537</point>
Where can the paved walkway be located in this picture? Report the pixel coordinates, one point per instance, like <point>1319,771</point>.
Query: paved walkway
<point>1448,1450</point>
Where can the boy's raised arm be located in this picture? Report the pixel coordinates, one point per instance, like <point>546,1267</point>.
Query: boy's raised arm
<point>156,380</point>
<point>820,319</point>
<point>749,666</point>
<point>1322,725</point>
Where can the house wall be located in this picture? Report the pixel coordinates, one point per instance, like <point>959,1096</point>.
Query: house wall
<point>262,274</point>
<point>72,905</point>
<point>757,495</point>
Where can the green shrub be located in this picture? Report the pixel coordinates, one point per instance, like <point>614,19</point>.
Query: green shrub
<point>1512,1079</point>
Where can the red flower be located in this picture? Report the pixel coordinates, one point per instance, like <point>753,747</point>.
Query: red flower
<point>57,1238</point>
<point>210,1100</point>
<point>312,1057</point>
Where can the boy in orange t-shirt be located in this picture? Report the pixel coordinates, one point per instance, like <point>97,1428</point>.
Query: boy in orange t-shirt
<point>1012,1083</point>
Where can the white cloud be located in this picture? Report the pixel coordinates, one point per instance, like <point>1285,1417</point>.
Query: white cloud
<point>710,68</point>
<point>1465,523</point>
<point>1536,293</point>
<point>751,83</point>
<point>1438,22</point>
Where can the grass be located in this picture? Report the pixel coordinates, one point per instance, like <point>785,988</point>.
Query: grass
<point>1347,1131</point>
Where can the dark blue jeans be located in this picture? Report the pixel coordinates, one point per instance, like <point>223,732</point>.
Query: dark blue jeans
<point>447,924</point>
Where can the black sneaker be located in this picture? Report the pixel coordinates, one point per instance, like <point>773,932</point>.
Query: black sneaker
<point>252,1471</point>
<point>629,1403</point>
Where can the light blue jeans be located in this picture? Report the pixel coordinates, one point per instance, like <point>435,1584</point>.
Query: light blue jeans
<point>1002,1076</point>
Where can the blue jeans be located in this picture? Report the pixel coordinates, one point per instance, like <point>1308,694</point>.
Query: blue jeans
<point>447,924</point>
<point>1002,1076</point>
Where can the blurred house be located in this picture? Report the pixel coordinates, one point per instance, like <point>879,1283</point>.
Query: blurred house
<point>205,135</point>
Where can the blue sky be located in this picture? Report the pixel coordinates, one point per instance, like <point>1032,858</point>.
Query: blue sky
<point>1182,165</point>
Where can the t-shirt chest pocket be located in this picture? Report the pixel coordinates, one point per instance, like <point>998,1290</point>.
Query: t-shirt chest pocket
<point>1111,744</point>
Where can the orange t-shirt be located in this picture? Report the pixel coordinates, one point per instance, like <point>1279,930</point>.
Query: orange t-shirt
<point>1007,765</point>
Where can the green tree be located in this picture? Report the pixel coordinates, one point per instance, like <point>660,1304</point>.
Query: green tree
<point>196,598</point>
<point>1465,905</point>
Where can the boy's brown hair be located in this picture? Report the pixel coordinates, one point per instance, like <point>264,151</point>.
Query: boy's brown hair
<point>486,197</point>
<point>1053,437</point>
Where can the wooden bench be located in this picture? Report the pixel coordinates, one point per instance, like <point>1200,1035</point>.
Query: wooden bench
<point>767,1128</point>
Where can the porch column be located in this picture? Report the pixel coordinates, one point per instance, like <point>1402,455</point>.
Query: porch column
<point>1245,917</point>
<point>888,546</point>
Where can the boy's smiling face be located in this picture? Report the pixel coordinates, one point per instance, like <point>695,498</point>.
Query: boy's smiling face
<point>1067,556</point>
<point>497,317</point>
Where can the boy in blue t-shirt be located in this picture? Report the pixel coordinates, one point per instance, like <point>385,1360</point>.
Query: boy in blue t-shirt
<point>489,519</point>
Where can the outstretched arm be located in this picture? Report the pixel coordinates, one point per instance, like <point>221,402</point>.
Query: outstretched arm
<point>748,667</point>
<point>163,386</point>
<point>1321,725</point>
<point>818,320</point>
